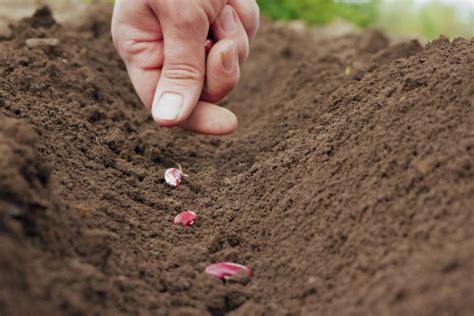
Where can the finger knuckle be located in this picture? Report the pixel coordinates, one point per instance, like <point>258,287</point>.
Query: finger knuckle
<point>127,49</point>
<point>183,72</point>
<point>212,8</point>
<point>190,18</point>
<point>249,9</point>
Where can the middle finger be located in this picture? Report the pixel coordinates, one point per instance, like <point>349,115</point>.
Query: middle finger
<point>229,26</point>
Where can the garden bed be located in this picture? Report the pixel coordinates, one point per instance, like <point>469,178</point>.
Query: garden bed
<point>348,188</point>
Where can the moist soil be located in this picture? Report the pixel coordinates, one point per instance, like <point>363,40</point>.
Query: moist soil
<point>348,189</point>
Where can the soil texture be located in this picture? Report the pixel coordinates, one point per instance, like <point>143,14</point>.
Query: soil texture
<point>348,189</point>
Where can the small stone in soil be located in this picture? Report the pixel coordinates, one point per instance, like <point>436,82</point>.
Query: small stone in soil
<point>41,42</point>
<point>240,277</point>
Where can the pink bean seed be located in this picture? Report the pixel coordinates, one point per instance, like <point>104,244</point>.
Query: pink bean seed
<point>225,270</point>
<point>185,218</point>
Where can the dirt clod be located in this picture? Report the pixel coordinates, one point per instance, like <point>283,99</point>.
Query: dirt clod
<point>41,42</point>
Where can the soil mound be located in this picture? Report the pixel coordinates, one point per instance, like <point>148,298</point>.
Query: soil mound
<point>348,188</point>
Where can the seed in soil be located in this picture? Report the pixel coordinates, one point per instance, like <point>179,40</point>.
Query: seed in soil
<point>226,270</point>
<point>174,176</point>
<point>185,218</point>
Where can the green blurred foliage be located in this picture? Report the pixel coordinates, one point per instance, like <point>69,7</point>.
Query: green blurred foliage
<point>429,20</point>
<point>321,11</point>
<point>395,16</point>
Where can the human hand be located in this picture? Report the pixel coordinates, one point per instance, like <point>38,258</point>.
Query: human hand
<point>162,45</point>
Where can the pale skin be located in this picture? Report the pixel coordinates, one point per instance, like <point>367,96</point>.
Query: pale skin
<point>162,45</point>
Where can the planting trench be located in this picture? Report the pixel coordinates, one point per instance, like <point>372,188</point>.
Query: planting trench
<point>348,188</point>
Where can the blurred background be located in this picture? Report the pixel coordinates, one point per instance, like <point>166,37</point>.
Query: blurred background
<point>415,18</point>
<point>424,19</point>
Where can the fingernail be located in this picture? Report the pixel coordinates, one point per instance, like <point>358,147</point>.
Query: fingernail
<point>229,57</point>
<point>168,107</point>
<point>228,22</point>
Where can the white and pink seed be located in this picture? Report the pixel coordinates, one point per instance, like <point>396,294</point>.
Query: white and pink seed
<point>174,177</point>
<point>226,270</point>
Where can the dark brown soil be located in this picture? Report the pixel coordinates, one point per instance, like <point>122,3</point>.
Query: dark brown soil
<point>349,188</point>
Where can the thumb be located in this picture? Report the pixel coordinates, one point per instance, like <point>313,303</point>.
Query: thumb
<point>182,77</point>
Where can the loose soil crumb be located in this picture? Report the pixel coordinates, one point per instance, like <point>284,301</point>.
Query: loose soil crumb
<point>346,192</point>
